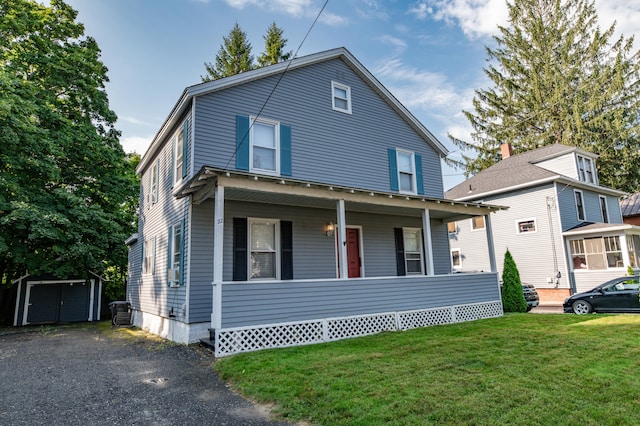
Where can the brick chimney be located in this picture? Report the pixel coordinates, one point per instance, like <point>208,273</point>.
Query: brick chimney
<point>506,149</point>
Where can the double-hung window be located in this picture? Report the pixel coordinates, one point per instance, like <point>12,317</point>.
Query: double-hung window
<point>586,169</point>
<point>154,183</point>
<point>604,209</point>
<point>264,246</point>
<point>178,155</point>
<point>579,205</point>
<point>341,97</point>
<point>175,254</point>
<point>149,256</point>
<point>413,250</point>
<point>406,172</point>
<point>265,136</point>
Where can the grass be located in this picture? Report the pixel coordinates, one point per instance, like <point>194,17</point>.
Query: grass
<point>520,369</point>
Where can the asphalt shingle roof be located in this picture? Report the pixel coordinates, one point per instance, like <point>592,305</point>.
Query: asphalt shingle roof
<point>515,170</point>
<point>630,206</point>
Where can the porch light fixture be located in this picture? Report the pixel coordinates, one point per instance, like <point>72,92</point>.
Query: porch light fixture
<point>329,229</point>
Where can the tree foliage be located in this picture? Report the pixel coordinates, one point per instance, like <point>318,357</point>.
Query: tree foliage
<point>558,79</point>
<point>512,295</point>
<point>67,194</point>
<point>234,56</point>
<point>274,44</point>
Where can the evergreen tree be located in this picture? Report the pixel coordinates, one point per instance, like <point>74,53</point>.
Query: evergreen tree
<point>512,295</point>
<point>233,57</point>
<point>274,44</point>
<point>63,180</point>
<point>558,79</point>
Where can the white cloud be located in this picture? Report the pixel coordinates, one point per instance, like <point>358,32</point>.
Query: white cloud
<point>399,45</point>
<point>295,8</point>
<point>135,143</point>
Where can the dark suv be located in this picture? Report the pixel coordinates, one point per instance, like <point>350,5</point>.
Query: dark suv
<point>530,295</point>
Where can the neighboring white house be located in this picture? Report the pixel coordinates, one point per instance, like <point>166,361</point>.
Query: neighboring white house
<point>564,230</point>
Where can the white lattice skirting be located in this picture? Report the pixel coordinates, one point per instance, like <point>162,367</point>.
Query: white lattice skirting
<point>244,339</point>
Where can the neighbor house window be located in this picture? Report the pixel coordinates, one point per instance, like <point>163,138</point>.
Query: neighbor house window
<point>406,171</point>
<point>265,136</point>
<point>341,95</point>
<point>613,252</point>
<point>603,209</point>
<point>263,242</point>
<point>413,250</point>
<point>631,246</point>
<point>586,169</point>
<point>149,256</point>
<point>579,205</point>
<point>178,155</point>
<point>578,254</point>
<point>175,254</point>
<point>477,222</point>
<point>451,227</point>
<point>526,226</point>
<point>456,259</point>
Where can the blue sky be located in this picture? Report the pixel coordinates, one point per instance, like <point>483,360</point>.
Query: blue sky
<point>429,53</point>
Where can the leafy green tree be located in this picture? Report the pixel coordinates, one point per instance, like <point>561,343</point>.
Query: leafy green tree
<point>233,57</point>
<point>64,182</point>
<point>512,296</point>
<point>557,78</point>
<point>274,44</point>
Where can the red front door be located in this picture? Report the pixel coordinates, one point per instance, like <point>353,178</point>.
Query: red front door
<point>353,253</point>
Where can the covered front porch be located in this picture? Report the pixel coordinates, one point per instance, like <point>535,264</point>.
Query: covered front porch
<point>402,276</point>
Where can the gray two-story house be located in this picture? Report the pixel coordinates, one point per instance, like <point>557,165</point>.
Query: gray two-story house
<point>293,204</point>
<point>564,230</point>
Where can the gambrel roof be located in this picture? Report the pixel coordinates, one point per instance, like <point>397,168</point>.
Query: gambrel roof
<point>521,171</point>
<point>184,103</point>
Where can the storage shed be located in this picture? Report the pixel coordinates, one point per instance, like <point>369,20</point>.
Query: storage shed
<point>48,300</point>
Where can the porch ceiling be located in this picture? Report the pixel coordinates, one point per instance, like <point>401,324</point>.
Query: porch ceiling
<point>250,187</point>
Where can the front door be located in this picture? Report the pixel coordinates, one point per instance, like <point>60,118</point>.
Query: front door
<point>353,253</point>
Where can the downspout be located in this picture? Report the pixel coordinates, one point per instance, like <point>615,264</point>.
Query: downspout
<point>556,272</point>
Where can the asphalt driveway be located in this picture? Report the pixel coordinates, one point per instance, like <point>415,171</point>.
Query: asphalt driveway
<point>93,375</point>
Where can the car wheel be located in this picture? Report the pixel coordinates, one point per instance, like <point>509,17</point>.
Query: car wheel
<point>581,307</point>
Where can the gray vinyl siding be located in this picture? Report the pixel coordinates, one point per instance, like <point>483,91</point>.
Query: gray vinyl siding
<point>591,201</point>
<point>150,292</point>
<point>440,243</point>
<point>266,303</point>
<point>472,243</point>
<point>327,146</point>
<point>201,255</point>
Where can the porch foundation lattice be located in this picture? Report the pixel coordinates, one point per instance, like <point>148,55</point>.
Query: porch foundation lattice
<point>252,338</point>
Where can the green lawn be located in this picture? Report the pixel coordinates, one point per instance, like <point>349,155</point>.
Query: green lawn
<point>550,369</point>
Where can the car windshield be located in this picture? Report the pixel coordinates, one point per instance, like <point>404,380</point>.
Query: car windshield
<point>632,283</point>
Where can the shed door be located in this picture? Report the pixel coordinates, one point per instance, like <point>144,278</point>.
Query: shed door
<point>51,303</point>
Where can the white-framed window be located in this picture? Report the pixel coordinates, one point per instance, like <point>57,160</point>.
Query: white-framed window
<point>341,97</point>
<point>578,254</point>
<point>175,254</point>
<point>604,209</point>
<point>406,171</point>
<point>456,259</point>
<point>413,251</point>
<point>178,157</point>
<point>264,243</point>
<point>526,226</point>
<point>154,183</point>
<point>586,169</point>
<point>579,205</point>
<point>631,246</point>
<point>597,253</point>
<point>149,256</point>
<point>477,223</point>
<point>265,146</point>
<point>613,252</point>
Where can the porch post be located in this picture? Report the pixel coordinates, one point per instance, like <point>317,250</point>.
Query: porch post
<point>218,241</point>
<point>426,235</point>
<point>490,247</point>
<point>626,261</point>
<point>342,240</point>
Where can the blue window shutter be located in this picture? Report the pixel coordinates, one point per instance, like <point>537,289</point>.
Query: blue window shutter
<point>419,182</point>
<point>240,255</point>
<point>169,247</point>
<point>399,239</point>
<point>242,142</point>
<point>182,238</point>
<point>393,170</point>
<point>286,250</point>
<point>185,140</point>
<point>172,166</point>
<point>285,150</point>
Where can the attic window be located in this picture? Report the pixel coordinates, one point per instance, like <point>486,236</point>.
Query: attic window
<point>585,169</point>
<point>341,97</point>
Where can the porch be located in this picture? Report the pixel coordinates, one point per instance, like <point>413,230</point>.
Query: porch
<point>272,314</point>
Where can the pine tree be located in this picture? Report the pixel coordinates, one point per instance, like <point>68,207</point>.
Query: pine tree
<point>558,79</point>
<point>512,295</point>
<point>274,44</point>
<point>233,57</point>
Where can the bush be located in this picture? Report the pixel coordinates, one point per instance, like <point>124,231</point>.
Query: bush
<point>512,295</point>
